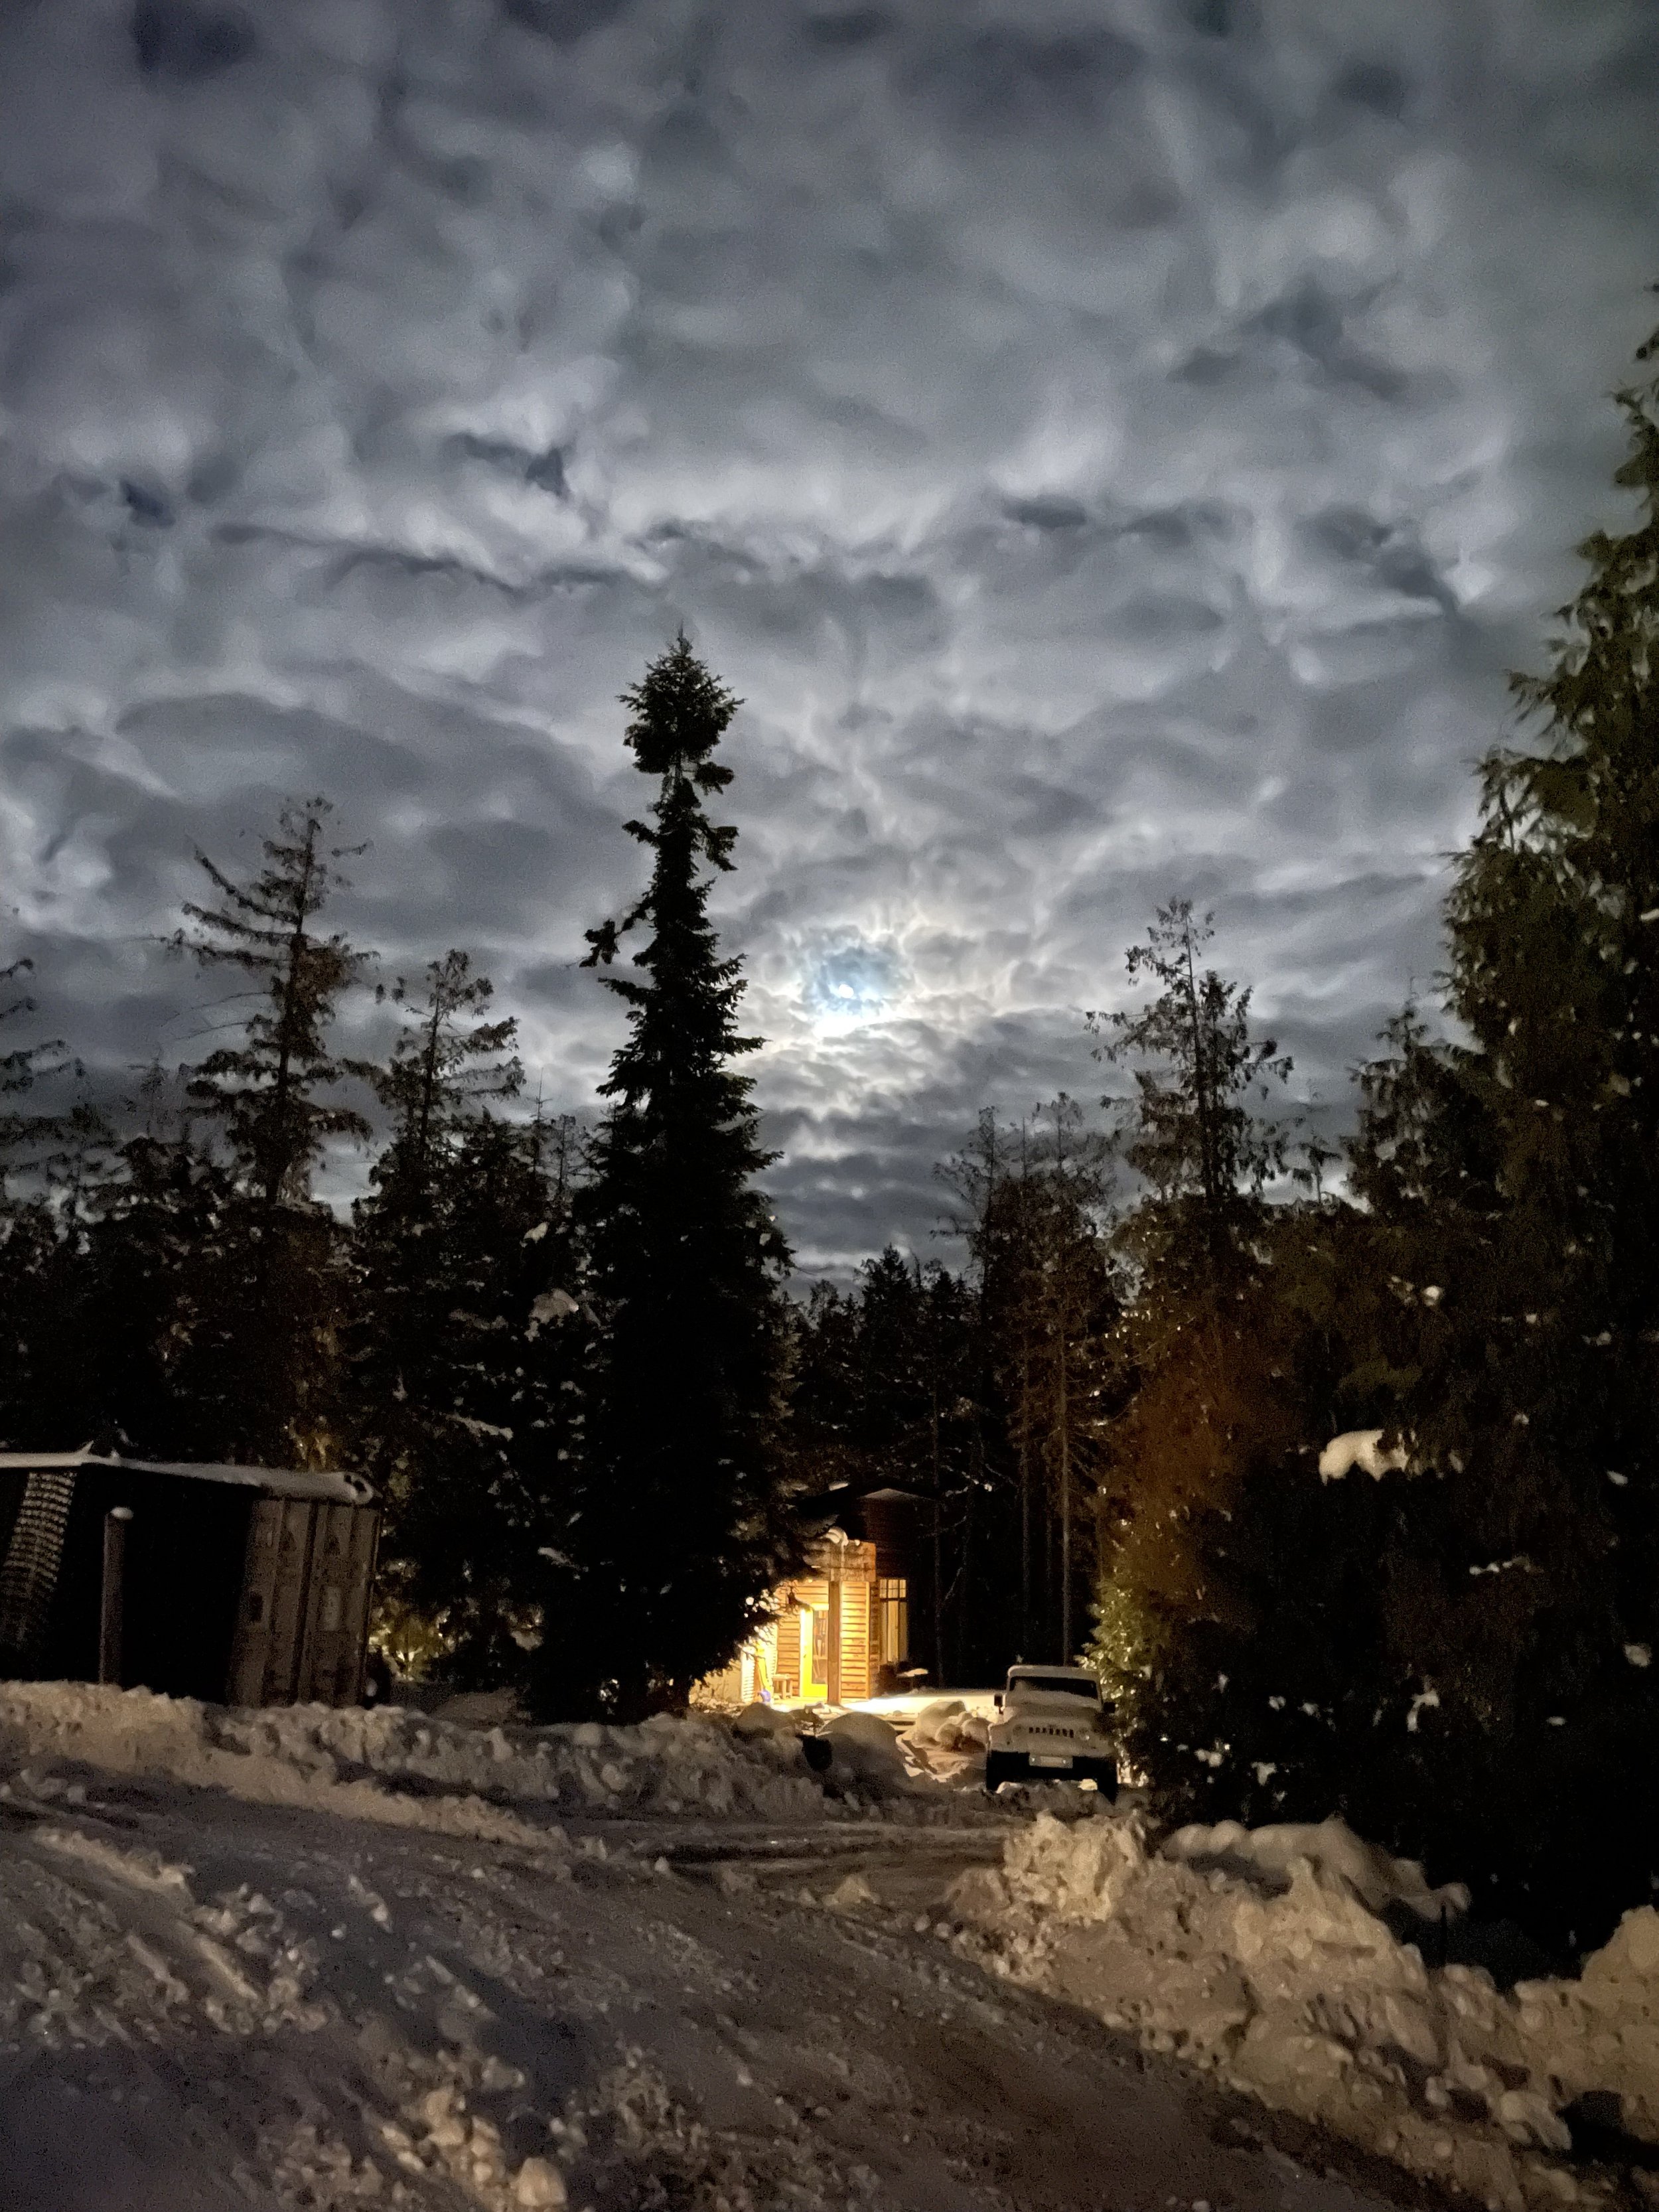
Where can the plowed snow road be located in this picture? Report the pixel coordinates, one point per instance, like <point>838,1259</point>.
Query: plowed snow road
<point>212,2004</point>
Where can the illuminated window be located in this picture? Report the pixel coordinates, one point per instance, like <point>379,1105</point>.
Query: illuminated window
<point>892,1597</point>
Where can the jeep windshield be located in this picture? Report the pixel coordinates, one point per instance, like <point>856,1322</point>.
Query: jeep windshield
<point>1067,1685</point>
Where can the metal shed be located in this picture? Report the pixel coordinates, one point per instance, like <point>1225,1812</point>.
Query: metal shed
<point>241,1585</point>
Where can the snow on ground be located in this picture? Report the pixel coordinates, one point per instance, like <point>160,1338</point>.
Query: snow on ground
<point>945,1739</point>
<point>1264,1960</point>
<point>214,2046</point>
<point>231,1978</point>
<point>313,1958</point>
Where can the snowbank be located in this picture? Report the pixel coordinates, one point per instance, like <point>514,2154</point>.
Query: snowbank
<point>925,1725</point>
<point>758,1720</point>
<point>1333,1852</point>
<point>396,1766</point>
<point>1301,1995</point>
<point>137,1732</point>
<point>99,1942</point>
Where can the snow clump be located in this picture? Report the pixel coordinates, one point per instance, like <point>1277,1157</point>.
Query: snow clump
<point>946,1743</point>
<point>1361,1448</point>
<point>864,1752</point>
<point>934,1719</point>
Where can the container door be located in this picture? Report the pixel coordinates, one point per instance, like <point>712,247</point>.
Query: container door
<point>289,1606</point>
<point>250,1649</point>
<point>323,1646</point>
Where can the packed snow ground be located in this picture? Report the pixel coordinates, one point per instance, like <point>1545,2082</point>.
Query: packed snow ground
<point>306,1958</point>
<point>319,1960</point>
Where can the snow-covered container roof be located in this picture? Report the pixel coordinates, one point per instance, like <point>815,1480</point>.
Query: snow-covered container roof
<point>321,1487</point>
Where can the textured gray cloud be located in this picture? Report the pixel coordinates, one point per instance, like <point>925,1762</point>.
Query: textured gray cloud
<point>1114,447</point>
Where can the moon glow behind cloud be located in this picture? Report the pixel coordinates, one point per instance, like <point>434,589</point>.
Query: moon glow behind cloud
<point>853,982</point>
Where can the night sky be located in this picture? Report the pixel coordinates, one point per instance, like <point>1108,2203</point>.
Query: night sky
<point>1115,448</point>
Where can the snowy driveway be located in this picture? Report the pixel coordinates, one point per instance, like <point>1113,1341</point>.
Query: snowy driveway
<point>210,2002</point>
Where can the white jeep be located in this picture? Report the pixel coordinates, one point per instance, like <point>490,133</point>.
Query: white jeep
<point>1051,1726</point>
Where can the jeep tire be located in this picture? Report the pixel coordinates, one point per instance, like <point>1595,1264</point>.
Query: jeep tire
<point>1002,1766</point>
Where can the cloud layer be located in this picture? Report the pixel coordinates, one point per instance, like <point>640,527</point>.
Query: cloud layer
<point>1114,447</point>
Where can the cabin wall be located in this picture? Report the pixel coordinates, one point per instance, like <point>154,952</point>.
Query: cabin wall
<point>823,1643</point>
<point>786,1680</point>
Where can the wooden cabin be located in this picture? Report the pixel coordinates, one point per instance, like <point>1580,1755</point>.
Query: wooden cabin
<point>239,1585</point>
<point>839,1633</point>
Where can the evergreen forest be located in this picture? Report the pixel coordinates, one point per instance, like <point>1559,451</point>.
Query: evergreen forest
<point>601,1408</point>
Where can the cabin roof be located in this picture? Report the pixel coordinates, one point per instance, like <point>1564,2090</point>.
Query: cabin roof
<point>327,1487</point>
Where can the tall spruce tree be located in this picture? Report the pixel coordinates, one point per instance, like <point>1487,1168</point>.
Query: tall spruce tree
<point>153,1282</point>
<point>1458,1657</point>
<point>683,1525</point>
<point>448,1058</point>
<point>1037,1197</point>
<point>31,1233</point>
<point>446,1062</point>
<point>1190,1130</point>
<point>274,1095</point>
<point>21,1068</point>
<point>468,1353</point>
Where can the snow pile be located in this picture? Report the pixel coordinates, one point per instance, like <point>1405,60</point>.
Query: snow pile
<point>664,1766</point>
<point>864,1752</point>
<point>166,1995</point>
<point>625,2141</point>
<point>856,1753</point>
<point>946,1743</point>
<point>444,2141</point>
<point>948,1726</point>
<point>631,2143</point>
<point>396,1766</point>
<point>943,1713</point>
<point>758,1720</point>
<point>1332,1849</point>
<point>1269,1965</point>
